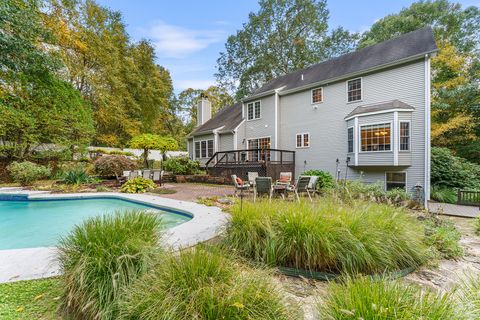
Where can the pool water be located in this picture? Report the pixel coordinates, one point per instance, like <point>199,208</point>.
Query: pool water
<point>40,223</point>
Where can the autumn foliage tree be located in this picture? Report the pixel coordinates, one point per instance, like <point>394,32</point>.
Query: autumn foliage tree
<point>149,141</point>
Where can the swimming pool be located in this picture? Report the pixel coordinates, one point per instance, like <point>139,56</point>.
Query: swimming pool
<point>40,223</point>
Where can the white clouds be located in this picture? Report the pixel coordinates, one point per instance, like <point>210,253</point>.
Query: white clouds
<point>196,84</point>
<point>173,41</point>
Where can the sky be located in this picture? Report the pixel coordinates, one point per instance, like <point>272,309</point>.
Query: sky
<point>188,35</point>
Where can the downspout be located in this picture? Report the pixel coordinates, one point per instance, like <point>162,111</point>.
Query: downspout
<point>277,101</point>
<point>427,131</point>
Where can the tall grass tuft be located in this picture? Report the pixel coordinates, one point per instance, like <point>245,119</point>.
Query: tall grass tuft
<point>468,294</point>
<point>369,298</point>
<point>204,284</point>
<point>327,236</point>
<point>102,256</point>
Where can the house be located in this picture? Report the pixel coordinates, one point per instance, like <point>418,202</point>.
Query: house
<point>363,115</point>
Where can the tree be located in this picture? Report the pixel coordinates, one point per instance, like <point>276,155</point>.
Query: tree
<point>283,36</point>
<point>148,141</point>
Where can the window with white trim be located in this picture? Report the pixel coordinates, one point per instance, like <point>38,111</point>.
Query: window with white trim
<point>354,90</point>
<point>317,95</point>
<point>350,140</point>
<point>203,149</point>
<point>254,110</point>
<point>396,180</point>
<point>375,137</point>
<point>303,140</point>
<point>404,136</point>
<point>261,143</point>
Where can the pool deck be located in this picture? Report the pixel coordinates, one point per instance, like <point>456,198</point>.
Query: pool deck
<point>36,263</point>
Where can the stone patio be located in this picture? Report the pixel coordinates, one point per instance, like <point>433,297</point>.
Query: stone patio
<point>454,209</point>
<point>193,191</point>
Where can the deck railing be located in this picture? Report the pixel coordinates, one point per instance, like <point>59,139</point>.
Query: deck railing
<point>469,197</point>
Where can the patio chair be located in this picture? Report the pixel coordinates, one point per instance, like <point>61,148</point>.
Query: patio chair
<point>124,177</point>
<point>157,176</point>
<point>239,186</point>
<point>133,175</point>
<point>312,185</point>
<point>301,187</point>
<point>285,178</point>
<point>251,177</point>
<point>146,174</point>
<point>263,185</point>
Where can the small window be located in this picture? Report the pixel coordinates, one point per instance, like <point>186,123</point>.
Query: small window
<point>396,180</point>
<point>376,137</point>
<point>354,90</point>
<point>317,95</point>
<point>350,139</point>
<point>303,140</point>
<point>197,150</point>
<point>404,136</point>
<point>204,149</point>
<point>253,110</point>
<point>209,148</point>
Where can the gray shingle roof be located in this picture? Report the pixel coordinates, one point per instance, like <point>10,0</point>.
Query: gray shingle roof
<point>382,106</point>
<point>405,46</point>
<point>228,117</point>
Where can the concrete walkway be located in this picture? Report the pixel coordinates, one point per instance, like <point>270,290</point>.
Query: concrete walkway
<point>454,209</point>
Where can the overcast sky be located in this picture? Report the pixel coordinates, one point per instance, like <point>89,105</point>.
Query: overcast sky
<point>189,34</point>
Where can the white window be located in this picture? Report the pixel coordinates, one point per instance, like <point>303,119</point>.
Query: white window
<point>317,95</point>
<point>404,136</point>
<point>375,137</point>
<point>203,149</point>
<point>354,90</point>
<point>253,110</point>
<point>350,140</point>
<point>303,140</point>
<point>396,180</point>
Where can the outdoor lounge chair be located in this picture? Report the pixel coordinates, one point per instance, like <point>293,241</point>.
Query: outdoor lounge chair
<point>263,185</point>
<point>301,187</point>
<point>285,178</point>
<point>157,176</point>
<point>238,186</point>
<point>251,177</point>
<point>312,185</point>
<point>146,174</point>
<point>133,175</point>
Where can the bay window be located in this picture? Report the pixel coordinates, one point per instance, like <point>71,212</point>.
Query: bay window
<point>375,137</point>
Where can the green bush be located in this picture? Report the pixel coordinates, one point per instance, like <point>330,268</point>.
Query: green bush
<point>325,179</point>
<point>114,165</point>
<point>203,284</point>
<point>444,237</point>
<point>368,298</point>
<point>181,165</point>
<point>327,236</point>
<point>101,257</point>
<point>357,190</point>
<point>443,194</point>
<point>77,176</point>
<point>27,172</point>
<point>453,172</point>
<point>138,185</point>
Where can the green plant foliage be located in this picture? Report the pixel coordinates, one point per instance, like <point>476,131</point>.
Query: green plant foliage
<point>101,257</point>
<point>468,294</point>
<point>148,142</point>
<point>383,299</point>
<point>138,185</point>
<point>357,190</point>
<point>27,172</point>
<point>325,179</point>
<point>443,194</point>
<point>113,165</point>
<point>453,172</point>
<point>203,284</point>
<point>476,225</point>
<point>77,176</point>
<point>444,237</point>
<point>327,236</point>
<point>181,165</point>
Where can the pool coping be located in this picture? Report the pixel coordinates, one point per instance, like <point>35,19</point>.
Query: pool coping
<point>36,263</point>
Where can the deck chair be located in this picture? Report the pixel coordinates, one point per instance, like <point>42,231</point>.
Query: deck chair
<point>285,178</point>
<point>133,175</point>
<point>157,176</point>
<point>146,174</point>
<point>301,187</point>
<point>251,177</point>
<point>239,187</point>
<point>312,185</point>
<point>263,185</point>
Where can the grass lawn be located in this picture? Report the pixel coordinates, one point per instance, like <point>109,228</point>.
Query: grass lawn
<point>30,299</point>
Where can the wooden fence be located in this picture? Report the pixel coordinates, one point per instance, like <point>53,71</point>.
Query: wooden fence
<point>469,197</point>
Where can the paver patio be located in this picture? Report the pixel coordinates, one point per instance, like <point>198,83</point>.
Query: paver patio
<point>192,191</point>
<point>454,209</point>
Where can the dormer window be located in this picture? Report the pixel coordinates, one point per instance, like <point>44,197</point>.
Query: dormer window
<point>354,90</point>
<point>254,110</point>
<point>317,95</point>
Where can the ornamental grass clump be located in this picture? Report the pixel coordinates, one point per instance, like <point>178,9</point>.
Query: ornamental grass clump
<point>101,257</point>
<point>328,236</point>
<point>204,284</point>
<point>380,298</point>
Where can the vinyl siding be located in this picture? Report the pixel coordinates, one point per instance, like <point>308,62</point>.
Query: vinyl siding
<point>263,127</point>
<point>225,142</point>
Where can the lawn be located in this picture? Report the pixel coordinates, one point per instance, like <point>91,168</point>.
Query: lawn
<point>36,299</point>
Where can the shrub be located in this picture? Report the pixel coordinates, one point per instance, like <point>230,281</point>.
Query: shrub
<point>325,179</point>
<point>109,166</point>
<point>357,190</point>
<point>181,165</point>
<point>328,236</point>
<point>368,298</point>
<point>77,176</point>
<point>27,172</point>
<point>454,172</point>
<point>203,284</point>
<point>443,194</point>
<point>444,237</point>
<point>101,257</point>
<point>138,185</point>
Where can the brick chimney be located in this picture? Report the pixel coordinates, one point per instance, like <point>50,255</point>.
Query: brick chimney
<point>204,110</point>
